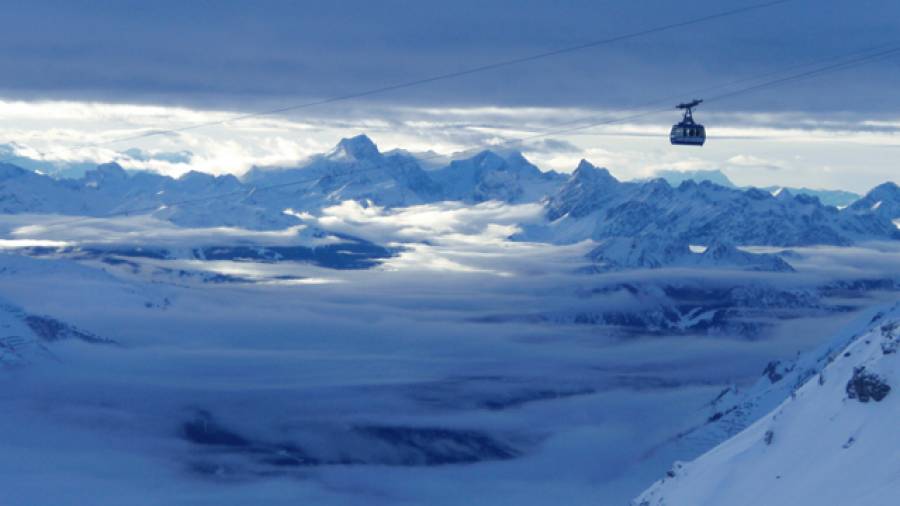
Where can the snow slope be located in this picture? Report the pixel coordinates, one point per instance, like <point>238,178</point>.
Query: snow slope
<point>833,441</point>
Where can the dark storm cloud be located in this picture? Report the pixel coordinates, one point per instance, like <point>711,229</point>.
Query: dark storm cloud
<point>249,55</point>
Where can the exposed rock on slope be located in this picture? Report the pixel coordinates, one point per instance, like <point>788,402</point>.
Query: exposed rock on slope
<point>27,337</point>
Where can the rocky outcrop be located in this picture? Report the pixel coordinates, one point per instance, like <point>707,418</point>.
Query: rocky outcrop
<point>864,386</point>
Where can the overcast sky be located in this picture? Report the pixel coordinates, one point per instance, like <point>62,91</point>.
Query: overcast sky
<point>211,59</point>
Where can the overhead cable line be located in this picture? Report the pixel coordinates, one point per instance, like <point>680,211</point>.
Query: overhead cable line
<point>438,77</point>
<point>865,58</point>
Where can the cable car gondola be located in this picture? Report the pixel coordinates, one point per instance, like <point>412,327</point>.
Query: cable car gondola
<point>688,133</point>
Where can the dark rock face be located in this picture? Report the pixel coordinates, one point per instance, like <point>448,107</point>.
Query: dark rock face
<point>263,457</point>
<point>203,430</point>
<point>355,254</point>
<point>221,451</point>
<point>50,330</point>
<point>775,371</point>
<point>352,253</point>
<point>418,446</point>
<point>864,386</point>
<point>891,335</point>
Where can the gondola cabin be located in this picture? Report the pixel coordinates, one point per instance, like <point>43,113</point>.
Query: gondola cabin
<point>687,132</point>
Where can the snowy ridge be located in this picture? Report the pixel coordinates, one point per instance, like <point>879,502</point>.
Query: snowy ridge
<point>828,442</point>
<point>489,176</point>
<point>353,170</point>
<point>589,204</point>
<point>735,409</point>
<point>656,251</point>
<point>595,205</point>
<point>835,198</point>
<point>676,177</point>
<point>883,200</point>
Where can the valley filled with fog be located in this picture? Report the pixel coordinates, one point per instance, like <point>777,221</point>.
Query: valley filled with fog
<point>360,330</point>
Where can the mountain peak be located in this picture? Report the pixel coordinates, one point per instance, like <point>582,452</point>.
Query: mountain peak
<point>588,172</point>
<point>585,192</point>
<point>584,165</point>
<point>517,156</point>
<point>514,161</point>
<point>196,176</point>
<point>111,171</point>
<point>676,177</point>
<point>883,200</point>
<point>783,194</point>
<point>488,157</point>
<point>359,147</point>
<point>888,188</point>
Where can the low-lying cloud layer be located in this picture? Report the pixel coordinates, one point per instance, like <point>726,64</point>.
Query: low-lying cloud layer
<point>464,340</point>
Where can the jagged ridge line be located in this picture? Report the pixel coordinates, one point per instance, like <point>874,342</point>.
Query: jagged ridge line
<point>253,189</point>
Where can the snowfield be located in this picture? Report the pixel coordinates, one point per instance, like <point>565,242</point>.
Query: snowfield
<point>833,441</point>
<point>482,333</point>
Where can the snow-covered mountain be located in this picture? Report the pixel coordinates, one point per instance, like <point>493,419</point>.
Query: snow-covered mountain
<point>357,170</point>
<point>490,176</point>
<point>109,189</point>
<point>835,198</point>
<point>595,205</point>
<point>883,200</point>
<point>655,251</point>
<point>589,204</point>
<point>676,177</point>
<point>354,170</point>
<point>828,439</point>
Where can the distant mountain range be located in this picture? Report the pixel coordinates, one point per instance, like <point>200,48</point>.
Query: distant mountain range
<point>588,204</point>
<point>652,252</point>
<point>836,198</point>
<point>593,204</point>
